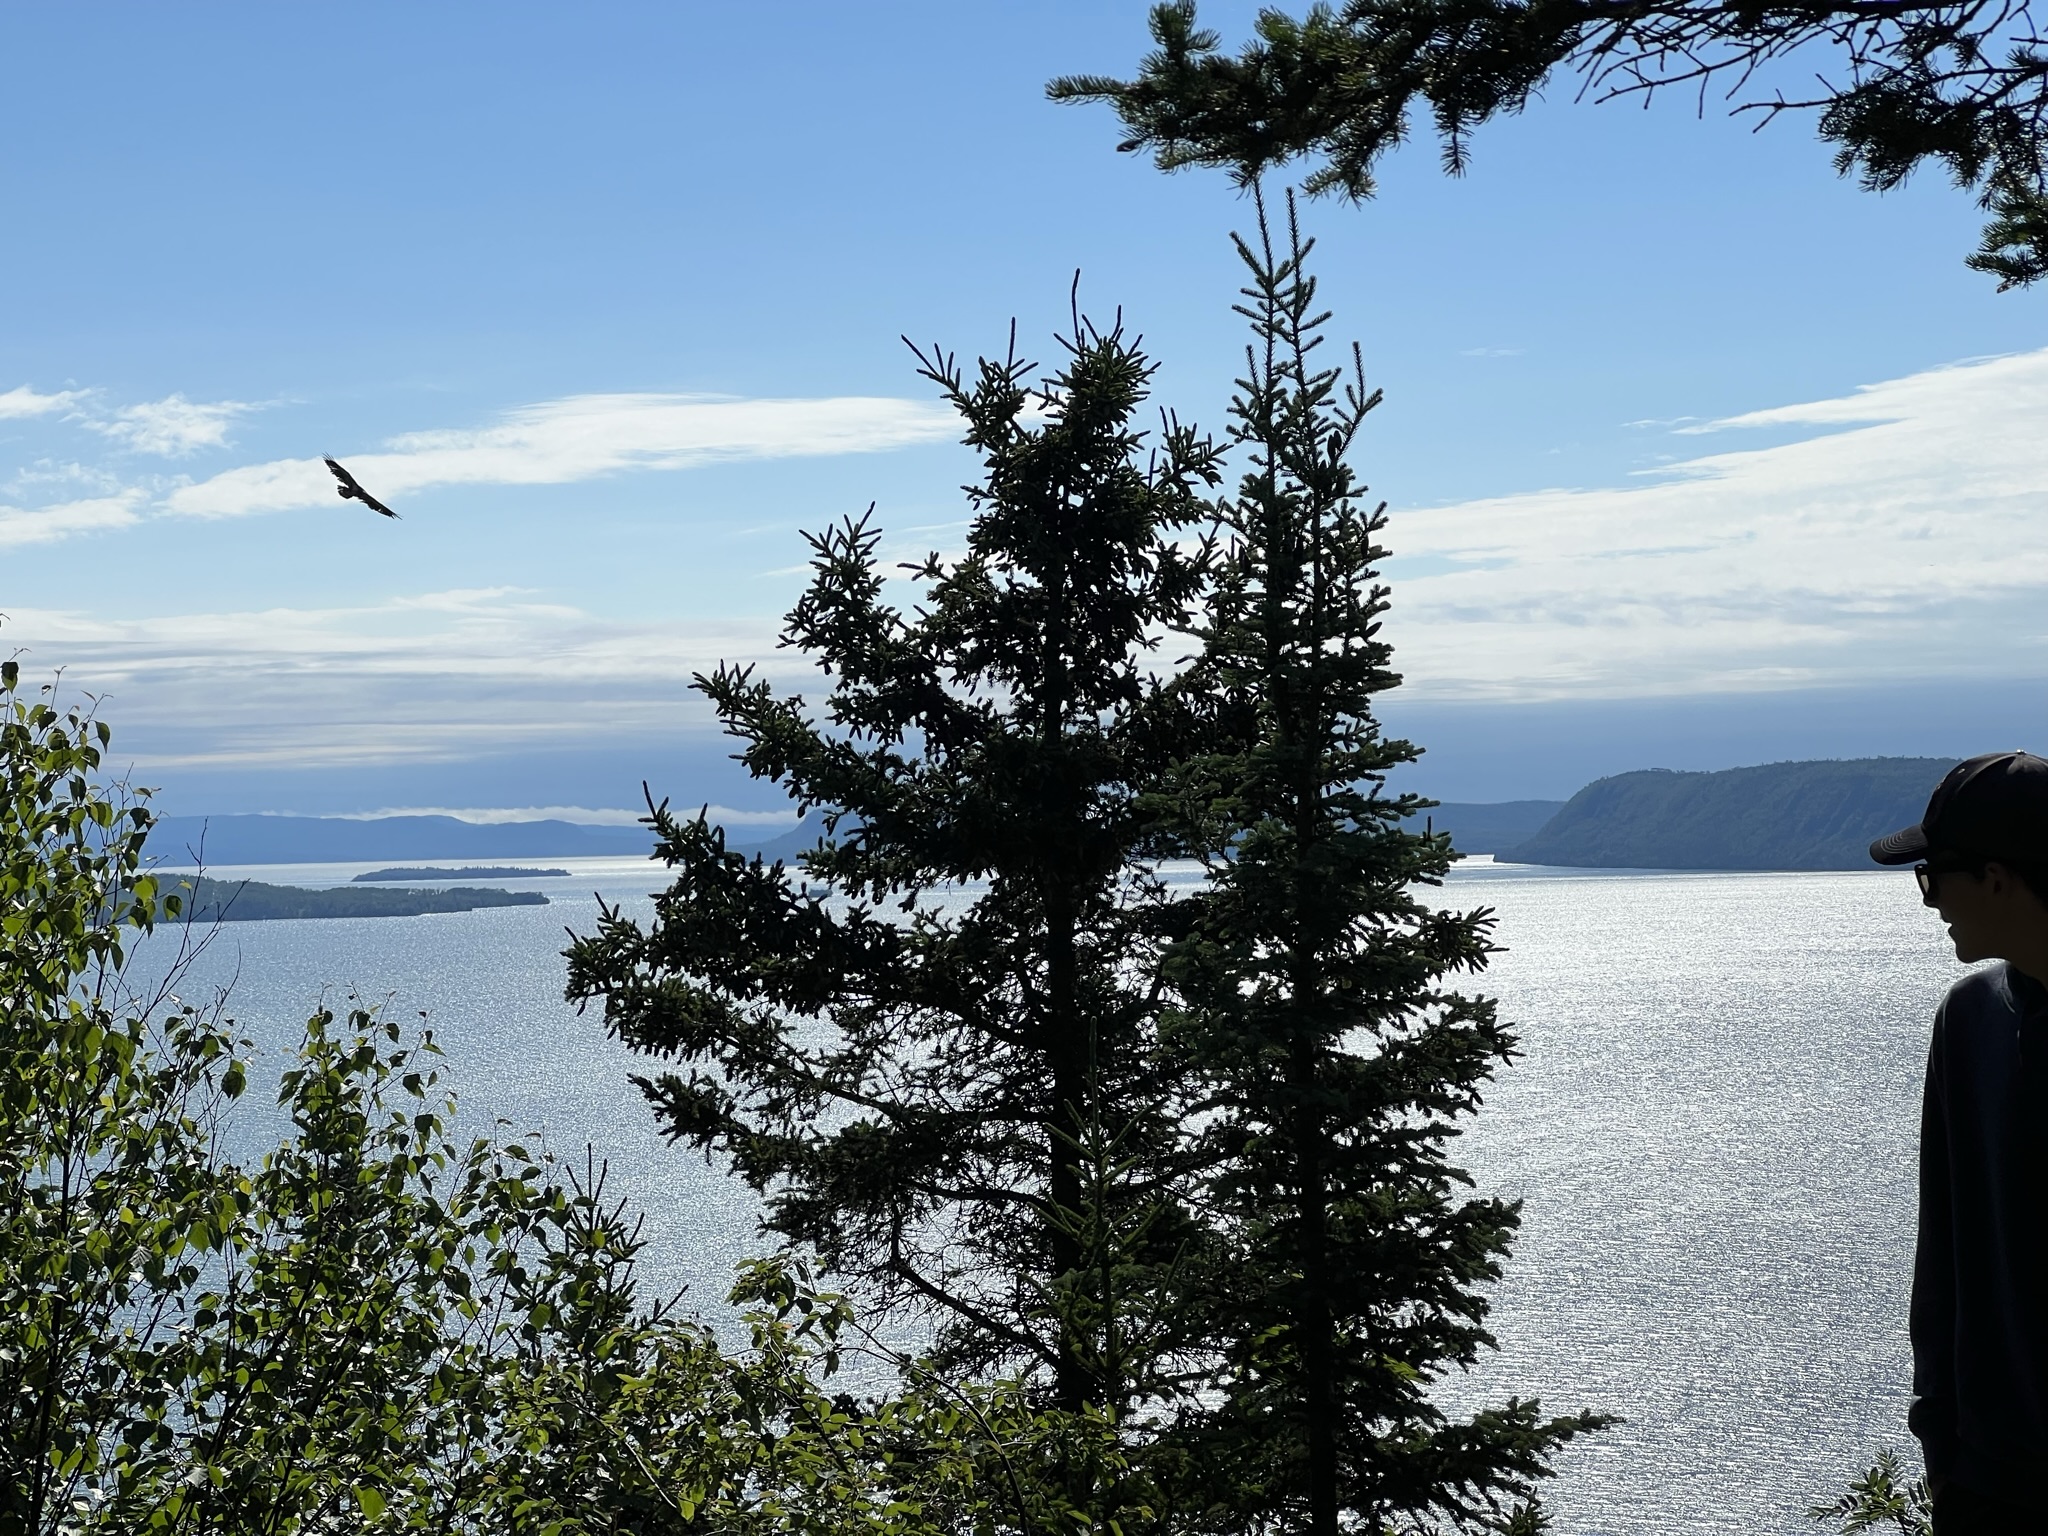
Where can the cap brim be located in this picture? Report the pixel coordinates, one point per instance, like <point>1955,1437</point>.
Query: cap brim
<point>1905,847</point>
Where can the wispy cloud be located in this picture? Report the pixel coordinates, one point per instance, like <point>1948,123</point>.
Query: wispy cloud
<point>22,401</point>
<point>44,473</point>
<point>555,442</point>
<point>1938,391</point>
<point>1912,544</point>
<point>172,427</point>
<point>43,525</point>
<point>584,437</point>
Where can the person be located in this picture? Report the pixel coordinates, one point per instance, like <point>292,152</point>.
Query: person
<point>1979,1319</point>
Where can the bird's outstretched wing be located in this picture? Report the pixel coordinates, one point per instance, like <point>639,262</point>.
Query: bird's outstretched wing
<point>348,490</point>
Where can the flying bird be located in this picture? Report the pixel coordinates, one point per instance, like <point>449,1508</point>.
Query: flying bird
<point>348,490</point>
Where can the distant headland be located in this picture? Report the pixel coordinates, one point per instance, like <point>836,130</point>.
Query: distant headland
<point>220,840</point>
<point>1807,815</point>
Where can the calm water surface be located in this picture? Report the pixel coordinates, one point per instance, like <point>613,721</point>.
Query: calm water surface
<point>1713,1131</point>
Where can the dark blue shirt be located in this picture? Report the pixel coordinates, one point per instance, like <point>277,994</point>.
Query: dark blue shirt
<point>1980,1287</point>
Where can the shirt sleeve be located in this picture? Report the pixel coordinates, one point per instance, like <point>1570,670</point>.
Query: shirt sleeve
<point>1933,1321</point>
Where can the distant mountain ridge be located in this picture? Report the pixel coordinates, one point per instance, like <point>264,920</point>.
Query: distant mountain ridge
<point>1803,815</point>
<point>458,872</point>
<point>176,842</point>
<point>179,840</point>
<point>1798,815</point>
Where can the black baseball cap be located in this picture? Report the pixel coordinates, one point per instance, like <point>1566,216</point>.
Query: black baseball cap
<point>1993,807</point>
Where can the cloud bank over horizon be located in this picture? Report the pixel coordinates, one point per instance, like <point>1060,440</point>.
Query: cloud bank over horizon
<point>1910,540</point>
<point>1897,534</point>
<point>432,677</point>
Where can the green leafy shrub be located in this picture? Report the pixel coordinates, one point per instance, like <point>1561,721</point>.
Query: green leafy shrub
<point>376,1325</point>
<point>1885,1496</point>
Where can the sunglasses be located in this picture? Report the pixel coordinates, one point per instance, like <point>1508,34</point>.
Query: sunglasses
<point>1929,876</point>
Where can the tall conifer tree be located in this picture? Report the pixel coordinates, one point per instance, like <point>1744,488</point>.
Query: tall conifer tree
<point>944,1077</point>
<point>1319,1004</point>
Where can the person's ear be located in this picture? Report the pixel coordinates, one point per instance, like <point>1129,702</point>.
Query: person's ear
<point>1997,878</point>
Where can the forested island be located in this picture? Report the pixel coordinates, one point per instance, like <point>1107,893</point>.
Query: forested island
<point>1808,815</point>
<point>251,901</point>
<point>467,872</point>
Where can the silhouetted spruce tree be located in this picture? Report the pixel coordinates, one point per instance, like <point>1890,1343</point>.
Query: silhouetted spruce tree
<point>945,1077</point>
<point>1315,985</point>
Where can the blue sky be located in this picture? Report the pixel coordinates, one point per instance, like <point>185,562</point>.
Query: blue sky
<point>1697,455</point>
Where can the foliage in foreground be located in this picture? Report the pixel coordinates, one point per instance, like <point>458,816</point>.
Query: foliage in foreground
<point>1883,1496</point>
<point>1952,83</point>
<point>376,1325</point>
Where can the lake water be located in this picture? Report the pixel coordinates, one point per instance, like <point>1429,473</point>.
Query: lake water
<point>1713,1130</point>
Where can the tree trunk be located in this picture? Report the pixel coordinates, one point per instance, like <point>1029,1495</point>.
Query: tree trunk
<point>1069,1052</point>
<point>1313,1325</point>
